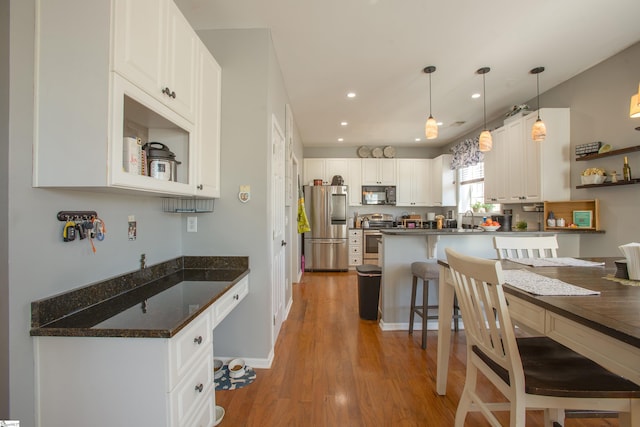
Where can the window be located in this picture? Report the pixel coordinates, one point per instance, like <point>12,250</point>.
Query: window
<point>471,191</point>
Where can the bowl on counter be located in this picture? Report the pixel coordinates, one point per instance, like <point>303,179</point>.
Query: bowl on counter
<point>219,414</point>
<point>236,368</point>
<point>490,227</point>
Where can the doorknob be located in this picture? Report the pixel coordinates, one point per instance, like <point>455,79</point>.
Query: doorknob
<point>283,243</point>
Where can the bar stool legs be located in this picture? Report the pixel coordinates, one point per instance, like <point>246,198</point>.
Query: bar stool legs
<point>428,272</point>
<point>421,310</point>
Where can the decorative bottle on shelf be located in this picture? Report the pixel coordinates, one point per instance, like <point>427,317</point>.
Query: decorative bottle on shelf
<point>626,170</point>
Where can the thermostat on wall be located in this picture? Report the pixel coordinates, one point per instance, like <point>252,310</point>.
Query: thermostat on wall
<point>245,193</point>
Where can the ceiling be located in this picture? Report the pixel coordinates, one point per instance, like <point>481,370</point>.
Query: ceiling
<point>379,48</point>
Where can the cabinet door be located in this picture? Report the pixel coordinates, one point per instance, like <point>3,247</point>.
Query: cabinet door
<point>422,182</point>
<point>355,182</point>
<point>532,163</point>
<point>516,161</point>
<point>313,169</point>
<point>335,167</point>
<point>208,137</point>
<point>443,187</point>
<point>496,169</point>
<point>404,187</point>
<point>387,171</point>
<point>181,48</point>
<point>139,30</point>
<point>370,172</point>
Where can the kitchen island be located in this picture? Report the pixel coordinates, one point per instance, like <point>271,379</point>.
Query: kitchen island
<point>136,349</point>
<point>401,247</point>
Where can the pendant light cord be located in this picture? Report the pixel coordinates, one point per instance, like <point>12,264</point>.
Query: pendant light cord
<point>538,89</point>
<point>484,102</point>
<point>430,95</point>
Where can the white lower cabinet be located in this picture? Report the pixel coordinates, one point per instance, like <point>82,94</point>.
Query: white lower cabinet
<point>114,381</point>
<point>355,247</point>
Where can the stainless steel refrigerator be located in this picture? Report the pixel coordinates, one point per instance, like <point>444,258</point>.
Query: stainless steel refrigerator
<point>325,246</point>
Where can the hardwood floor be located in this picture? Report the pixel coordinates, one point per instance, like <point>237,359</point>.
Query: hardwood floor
<point>333,369</point>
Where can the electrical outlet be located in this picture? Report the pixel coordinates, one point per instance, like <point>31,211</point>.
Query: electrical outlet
<point>192,224</point>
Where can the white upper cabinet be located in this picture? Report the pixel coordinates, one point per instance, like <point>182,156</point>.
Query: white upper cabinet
<point>495,165</point>
<point>209,76</point>
<point>520,170</point>
<point>156,49</point>
<point>84,109</point>
<point>413,182</point>
<point>378,171</point>
<point>325,169</point>
<point>355,182</point>
<point>442,180</point>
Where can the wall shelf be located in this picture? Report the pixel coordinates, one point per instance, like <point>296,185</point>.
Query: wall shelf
<point>610,184</point>
<point>564,209</point>
<point>607,154</point>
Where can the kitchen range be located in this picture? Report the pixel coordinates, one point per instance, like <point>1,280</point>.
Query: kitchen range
<point>371,235</point>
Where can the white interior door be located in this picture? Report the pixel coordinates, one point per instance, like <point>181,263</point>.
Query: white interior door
<point>278,279</point>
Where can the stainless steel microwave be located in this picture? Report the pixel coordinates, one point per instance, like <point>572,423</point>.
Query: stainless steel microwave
<point>378,194</point>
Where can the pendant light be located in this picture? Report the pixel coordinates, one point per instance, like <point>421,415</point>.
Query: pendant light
<point>634,110</point>
<point>431,127</point>
<point>485,143</point>
<point>539,130</point>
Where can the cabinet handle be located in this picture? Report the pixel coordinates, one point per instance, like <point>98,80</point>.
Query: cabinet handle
<point>199,388</point>
<point>236,297</point>
<point>169,92</point>
<point>198,340</point>
<point>200,187</point>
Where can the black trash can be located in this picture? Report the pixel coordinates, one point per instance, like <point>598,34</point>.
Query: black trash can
<point>369,277</point>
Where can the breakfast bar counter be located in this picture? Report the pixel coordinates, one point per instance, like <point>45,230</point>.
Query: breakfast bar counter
<point>401,247</point>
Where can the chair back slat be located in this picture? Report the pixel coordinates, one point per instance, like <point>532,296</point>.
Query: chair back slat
<point>478,285</point>
<point>526,247</point>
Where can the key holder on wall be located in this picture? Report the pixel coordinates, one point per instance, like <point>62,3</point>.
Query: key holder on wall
<point>82,224</point>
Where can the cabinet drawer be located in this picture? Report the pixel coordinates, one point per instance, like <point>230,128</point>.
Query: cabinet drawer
<point>228,302</point>
<point>355,233</point>
<point>192,391</point>
<point>355,240</point>
<point>355,260</point>
<point>355,250</point>
<point>205,416</point>
<point>189,345</point>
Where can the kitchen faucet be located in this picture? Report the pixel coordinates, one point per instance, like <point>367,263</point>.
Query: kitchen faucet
<point>470,212</point>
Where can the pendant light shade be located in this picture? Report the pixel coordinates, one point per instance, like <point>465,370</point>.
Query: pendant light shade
<point>539,130</point>
<point>486,142</point>
<point>431,127</point>
<point>634,110</point>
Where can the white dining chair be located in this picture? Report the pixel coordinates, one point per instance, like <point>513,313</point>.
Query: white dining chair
<point>531,372</point>
<point>526,247</point>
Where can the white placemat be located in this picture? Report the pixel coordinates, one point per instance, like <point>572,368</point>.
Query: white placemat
<point>541,285</point>
<point>556,262</point>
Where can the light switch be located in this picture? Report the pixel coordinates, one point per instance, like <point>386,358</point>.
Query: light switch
<point>192,224</point>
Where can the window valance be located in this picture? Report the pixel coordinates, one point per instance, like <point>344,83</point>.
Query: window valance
<point>466,153</point>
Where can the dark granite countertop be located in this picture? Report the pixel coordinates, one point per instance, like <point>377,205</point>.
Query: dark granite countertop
<point>466,232</point>
<point>156,302</point>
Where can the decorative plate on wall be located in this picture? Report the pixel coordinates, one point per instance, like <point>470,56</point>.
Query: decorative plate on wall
<point>364,151</point>
<point>389,152</point>
<point>377,152</point>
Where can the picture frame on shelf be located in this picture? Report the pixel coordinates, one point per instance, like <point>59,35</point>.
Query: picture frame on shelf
<point>583,219</point>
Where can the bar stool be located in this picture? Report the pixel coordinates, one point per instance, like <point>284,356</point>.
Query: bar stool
<point>427,271</point>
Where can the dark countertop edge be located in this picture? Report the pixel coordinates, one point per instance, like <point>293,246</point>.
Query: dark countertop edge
<point>431,232</point>
<point>132,333</point>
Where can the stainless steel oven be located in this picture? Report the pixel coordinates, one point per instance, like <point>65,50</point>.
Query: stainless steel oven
<point>370,246</point>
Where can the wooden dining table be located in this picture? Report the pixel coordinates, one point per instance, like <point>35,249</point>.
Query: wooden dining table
<point>604,327</point>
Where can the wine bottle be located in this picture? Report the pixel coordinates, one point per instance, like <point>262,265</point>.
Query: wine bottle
<point>626,170</point>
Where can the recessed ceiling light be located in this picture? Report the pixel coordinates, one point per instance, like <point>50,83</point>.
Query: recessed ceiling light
<point>351,95</point>
<point>417,139</point>
<point>343,123</point>
<point>439,123</point>
<point>340,139</point>
<point>475,96</point>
